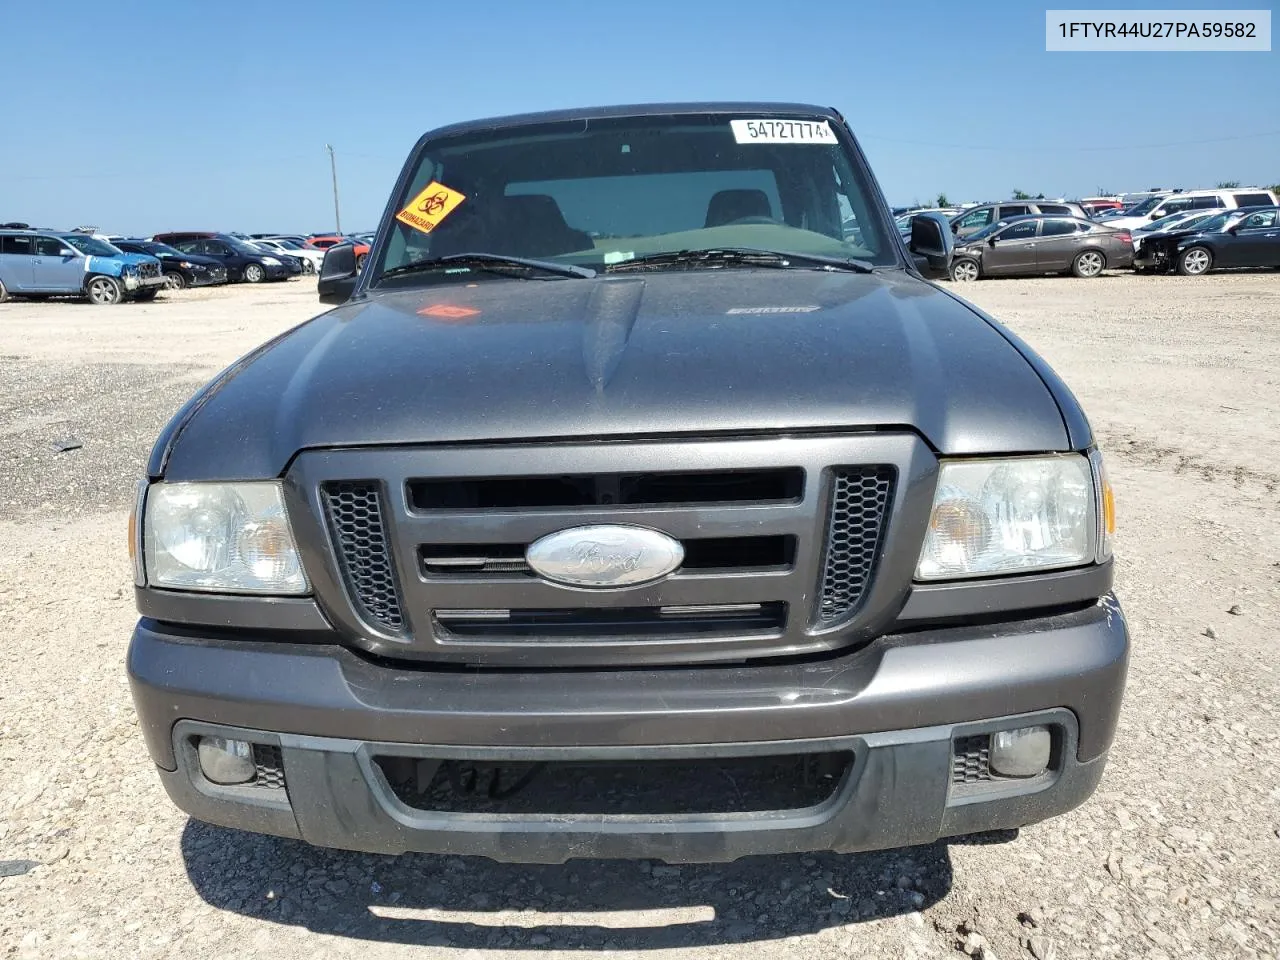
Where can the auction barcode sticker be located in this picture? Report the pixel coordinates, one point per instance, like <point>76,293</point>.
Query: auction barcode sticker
<point>782,131</point>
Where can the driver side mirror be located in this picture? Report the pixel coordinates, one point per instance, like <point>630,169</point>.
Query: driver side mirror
<point>932,244</point>
<point>1155,216</point>
<point>337,274</point>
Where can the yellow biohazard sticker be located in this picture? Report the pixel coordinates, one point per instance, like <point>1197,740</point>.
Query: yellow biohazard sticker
<point>430,207</point>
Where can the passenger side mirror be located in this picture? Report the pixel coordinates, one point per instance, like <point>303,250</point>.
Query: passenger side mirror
<point>991,241</point>
<point>66,252</point>
<point>931,244</point>
<point>1233,228</point>
<point>338,274</point>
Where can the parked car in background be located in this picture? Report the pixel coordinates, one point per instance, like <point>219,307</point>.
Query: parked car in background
<point>333,239</point>
<point>1029,245</point>
<point>903,221</point>
<point>984,215</point>
<point>52,263</point>
<point>242,260</point>
<point>180,269</point>
<point>1093,206</point>
<point>1175,221</point>
<point>311,259</point>
<point>1237,238</point>
<point>1157,208</point>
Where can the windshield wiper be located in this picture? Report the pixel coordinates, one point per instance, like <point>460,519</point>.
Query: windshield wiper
<point>745,256</point>
<point>492,263</point>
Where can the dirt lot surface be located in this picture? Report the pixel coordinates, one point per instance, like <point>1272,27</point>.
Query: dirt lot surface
<point>1177,855</point>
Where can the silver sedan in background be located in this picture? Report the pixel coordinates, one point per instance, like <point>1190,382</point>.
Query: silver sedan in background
<point>1041,243</point>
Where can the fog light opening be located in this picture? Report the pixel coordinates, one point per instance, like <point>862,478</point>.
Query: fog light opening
<point>1021,753</point>
<point>226,762</point>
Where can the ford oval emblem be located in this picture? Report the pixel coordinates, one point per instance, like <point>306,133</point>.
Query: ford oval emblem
<point>605,555</point>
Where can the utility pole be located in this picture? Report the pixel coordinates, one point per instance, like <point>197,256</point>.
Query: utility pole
<point>333,167</point>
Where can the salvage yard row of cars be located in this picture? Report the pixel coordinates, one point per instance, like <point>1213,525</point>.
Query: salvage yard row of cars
<point>110,270</point>
<point>1188,232</point>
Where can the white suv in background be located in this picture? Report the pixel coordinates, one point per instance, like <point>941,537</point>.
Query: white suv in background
<point>1155,208</point>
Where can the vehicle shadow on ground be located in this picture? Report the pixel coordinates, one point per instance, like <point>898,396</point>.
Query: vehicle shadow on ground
<point>471,902</point>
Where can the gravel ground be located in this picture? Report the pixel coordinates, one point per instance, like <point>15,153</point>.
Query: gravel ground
<point>1177,855</point>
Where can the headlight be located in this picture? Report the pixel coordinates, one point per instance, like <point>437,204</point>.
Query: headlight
<point>271,261</point>
<point>221,537</point>
<point>185,265</point>
<point>1011,515</point>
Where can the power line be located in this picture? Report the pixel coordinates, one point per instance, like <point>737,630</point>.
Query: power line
<point>1007,148</point>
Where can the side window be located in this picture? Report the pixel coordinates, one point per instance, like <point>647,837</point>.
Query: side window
<point>1057,228</point>
<point>1020,231</point>
<point>1261,219</point>
<point>16,246</point>
<point>1206,203</point>
<point>1175,206</point>
<point>1053,208</point>
<point>1013,210</point>
<point>1253,199</point>
<point>216,248</point>
<point>187,246</point>
<point>49,246</point>
<point>979,218</point>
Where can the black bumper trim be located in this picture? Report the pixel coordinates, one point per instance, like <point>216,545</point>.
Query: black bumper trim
<point>897,793</point>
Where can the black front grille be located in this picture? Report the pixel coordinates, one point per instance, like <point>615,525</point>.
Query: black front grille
<point>784,541</point>
<point>605,789</point>
<point>356,520</point>
<point>859,504</point>
<point>618,623</point>
<point>707,554</point>
<point>268,767</point>
<point>618,489</point>
<point>971,759</point>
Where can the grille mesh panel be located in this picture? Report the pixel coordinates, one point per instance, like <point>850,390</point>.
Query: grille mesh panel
<point>268,767</point>
<point>971,759</point>
<point>355,515</point>
<point>859,502</point>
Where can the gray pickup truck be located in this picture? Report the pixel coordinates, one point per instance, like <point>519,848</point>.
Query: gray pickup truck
<point>641,498</point>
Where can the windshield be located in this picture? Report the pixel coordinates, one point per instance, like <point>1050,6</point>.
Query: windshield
<point>1143,206</point>
<point>161,249</point>
<point>91,246</point>
<point>1216,223</point>
<point>602,192</point>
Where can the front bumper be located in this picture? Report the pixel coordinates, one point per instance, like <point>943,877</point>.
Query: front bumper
<point>134,283</point>
<point>897,704</point>
<point>206,278</point>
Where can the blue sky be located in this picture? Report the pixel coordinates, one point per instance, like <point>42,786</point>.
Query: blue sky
<point>139,116</point>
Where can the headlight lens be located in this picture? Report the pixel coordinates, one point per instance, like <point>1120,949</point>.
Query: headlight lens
<point>221,537</point>
<point>271,261</point>
<point>992,517</point>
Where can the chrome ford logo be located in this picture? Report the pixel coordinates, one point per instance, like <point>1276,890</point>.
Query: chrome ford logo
<point>604,555</point>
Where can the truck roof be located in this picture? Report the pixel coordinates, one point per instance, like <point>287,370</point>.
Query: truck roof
<point>634,110</point>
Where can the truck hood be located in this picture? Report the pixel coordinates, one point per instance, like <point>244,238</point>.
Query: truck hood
<point>696,352</point>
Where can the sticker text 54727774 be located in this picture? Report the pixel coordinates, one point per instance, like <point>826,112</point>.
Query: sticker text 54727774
<point>782,131</point>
